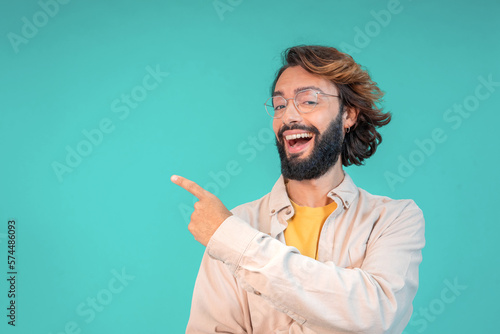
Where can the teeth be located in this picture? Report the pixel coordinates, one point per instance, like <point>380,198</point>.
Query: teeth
<point>299,135</point>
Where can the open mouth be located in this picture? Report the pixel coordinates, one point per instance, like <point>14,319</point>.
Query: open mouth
<point>298,142</point>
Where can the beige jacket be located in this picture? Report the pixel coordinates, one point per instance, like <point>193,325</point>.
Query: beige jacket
<point>364,280</point>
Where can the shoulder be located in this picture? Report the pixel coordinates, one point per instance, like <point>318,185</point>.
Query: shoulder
<point>391,217</point>
<point>389,213</point>
<point>388,203</point>
<point>366,201</point>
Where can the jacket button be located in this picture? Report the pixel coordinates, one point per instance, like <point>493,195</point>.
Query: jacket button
<point>257,293</point>
<point>273,211</point>
<point>288,211</point>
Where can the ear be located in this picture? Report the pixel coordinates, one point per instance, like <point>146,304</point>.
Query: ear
<point>350,117</point>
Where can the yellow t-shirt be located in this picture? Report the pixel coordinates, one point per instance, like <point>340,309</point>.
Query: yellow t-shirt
<point>305,226</point>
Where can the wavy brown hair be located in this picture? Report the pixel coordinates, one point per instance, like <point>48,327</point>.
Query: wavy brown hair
<point>356,90</point>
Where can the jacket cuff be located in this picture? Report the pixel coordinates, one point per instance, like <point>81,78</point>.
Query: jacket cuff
<point>230,241</point>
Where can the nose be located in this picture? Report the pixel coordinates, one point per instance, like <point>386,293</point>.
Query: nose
<point>291,114</point>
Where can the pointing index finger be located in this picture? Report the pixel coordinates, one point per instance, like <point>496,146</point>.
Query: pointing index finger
<point>189,185</point>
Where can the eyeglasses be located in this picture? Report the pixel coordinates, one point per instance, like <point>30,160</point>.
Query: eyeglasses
<point>305,101</point>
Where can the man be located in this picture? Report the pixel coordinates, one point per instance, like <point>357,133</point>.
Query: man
<point>317,254</point>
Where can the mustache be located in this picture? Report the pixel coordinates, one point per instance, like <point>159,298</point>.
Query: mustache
<point>286,127</point>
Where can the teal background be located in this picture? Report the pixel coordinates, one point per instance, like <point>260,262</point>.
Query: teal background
<point>117,210</point>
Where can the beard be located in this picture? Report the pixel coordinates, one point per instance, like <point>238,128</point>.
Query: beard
<point>324,155</point>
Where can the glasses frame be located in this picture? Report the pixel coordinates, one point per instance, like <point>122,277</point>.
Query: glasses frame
<point>295,102</point>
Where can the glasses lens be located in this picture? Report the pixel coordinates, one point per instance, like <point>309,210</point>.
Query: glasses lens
<point>275,106</point>
<point>306,100</point>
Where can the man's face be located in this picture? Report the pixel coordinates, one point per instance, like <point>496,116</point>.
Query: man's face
<point>308,144</point>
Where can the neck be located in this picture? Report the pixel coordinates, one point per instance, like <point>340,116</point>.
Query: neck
<point>313,193</point>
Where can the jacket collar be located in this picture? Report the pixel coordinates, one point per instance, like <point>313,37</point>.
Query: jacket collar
<point>346,191</point>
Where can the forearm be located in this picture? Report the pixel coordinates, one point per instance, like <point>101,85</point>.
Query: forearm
<point>218,304</point>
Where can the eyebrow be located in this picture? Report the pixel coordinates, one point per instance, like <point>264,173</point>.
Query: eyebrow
<point>296,90</point>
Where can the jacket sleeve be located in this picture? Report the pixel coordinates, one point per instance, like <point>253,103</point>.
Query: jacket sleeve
<point>218,304</point>
<point>321,296</point>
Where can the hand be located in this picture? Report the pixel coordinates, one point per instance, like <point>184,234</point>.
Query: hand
<point>209,212</point>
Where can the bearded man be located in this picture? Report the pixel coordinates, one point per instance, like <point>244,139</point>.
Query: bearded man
<point>317,254</point>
